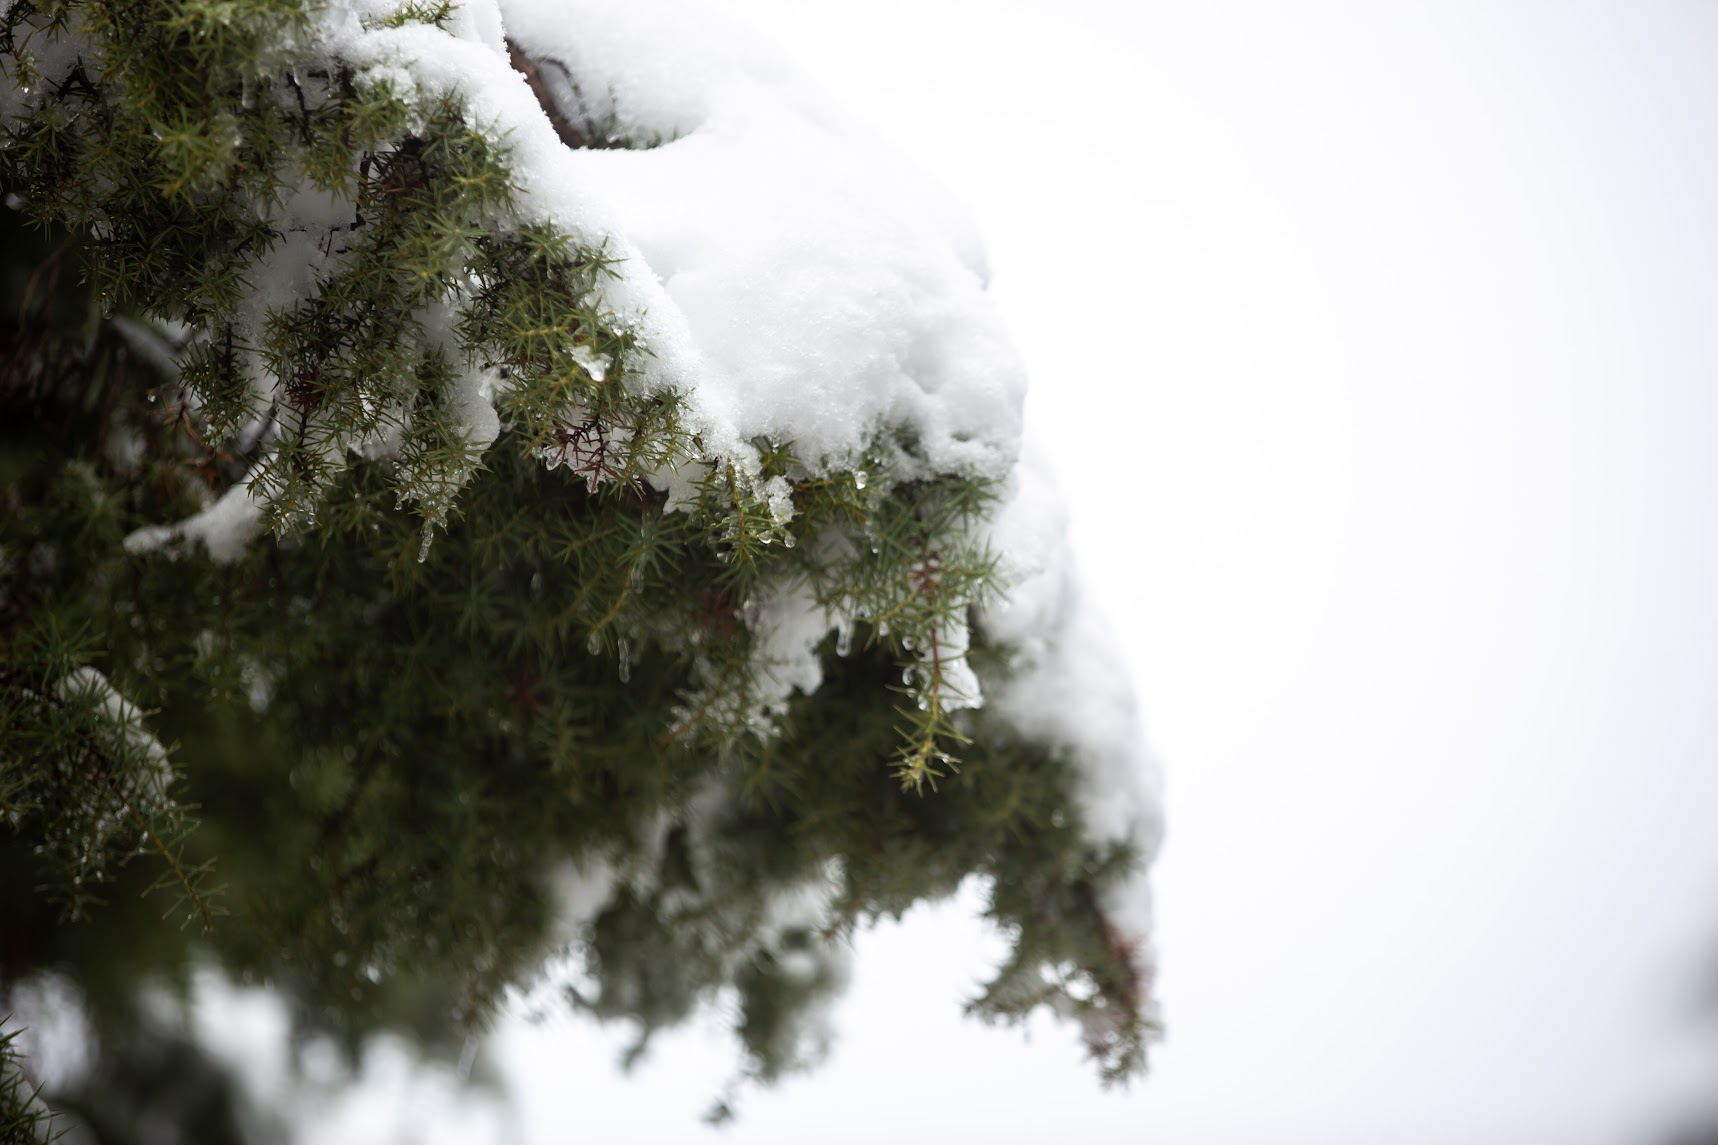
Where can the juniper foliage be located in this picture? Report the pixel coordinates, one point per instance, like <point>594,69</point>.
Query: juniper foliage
<point>348,758</point>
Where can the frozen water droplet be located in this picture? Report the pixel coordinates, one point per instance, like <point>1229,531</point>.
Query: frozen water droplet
<point>844,640</point>
<point>625,662</point>
<point>859,478</point>
<point>788,540</point>
<point>594,644</point>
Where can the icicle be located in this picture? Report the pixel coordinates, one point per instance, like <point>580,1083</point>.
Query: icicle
<point>844,640</point>
<point>625,661</point>
<point>594,644</point>
<point>424,545</point>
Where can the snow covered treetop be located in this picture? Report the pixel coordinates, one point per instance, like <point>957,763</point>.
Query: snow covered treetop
<point>652,425</point>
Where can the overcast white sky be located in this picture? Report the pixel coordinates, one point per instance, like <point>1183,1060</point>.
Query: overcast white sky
<point>1377,345</point>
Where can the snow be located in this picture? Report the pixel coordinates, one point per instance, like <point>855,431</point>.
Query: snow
<point>86,685</point>
<point>300,1091</point>
<point>791,277</point>
<point>787,625</point>
<point>830,292</point>
<point>814,288</point>
<point>1067,684</point>
<point>1069,688</point>
<point>136,767</point>
<point>54,1029</point>
<point>223,529</point>
<point>583,890</point>
<point>471,59</point>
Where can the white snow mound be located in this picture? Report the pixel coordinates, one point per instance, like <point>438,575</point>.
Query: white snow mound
<point>827,289</point>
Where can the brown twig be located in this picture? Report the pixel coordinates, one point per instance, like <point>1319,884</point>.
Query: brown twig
<point>527,67</point>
